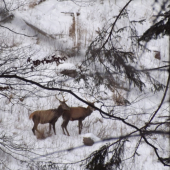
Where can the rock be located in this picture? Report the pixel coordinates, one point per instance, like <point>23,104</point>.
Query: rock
<point>88,141</point>
<point>157,55</point>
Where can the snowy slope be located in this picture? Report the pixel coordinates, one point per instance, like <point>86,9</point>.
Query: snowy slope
<point>66,26</point>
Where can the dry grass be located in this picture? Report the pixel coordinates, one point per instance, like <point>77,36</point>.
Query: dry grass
<point>90,127</point>
<point>38,41</point>
<point>118,98</point>
<point>35,2</point>
<point>102,133</point>
<point>87,126</point>
<point>32,4</point>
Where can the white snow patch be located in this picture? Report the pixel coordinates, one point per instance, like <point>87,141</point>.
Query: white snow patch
<point>92,136</point>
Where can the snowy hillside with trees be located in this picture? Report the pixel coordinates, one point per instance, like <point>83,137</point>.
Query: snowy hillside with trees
<point>110,57</point>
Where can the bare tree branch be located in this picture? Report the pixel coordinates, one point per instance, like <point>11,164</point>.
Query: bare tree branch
<point>163,98</point>
<point>5,5</point>
<point>120,13</point>
<point>70,92</point>
<point>17,32</point>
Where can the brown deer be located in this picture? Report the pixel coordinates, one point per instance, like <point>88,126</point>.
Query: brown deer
<point>48,116</point>
<point>76,113</point>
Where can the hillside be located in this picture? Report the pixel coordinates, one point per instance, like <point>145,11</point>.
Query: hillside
<point>46,42</point>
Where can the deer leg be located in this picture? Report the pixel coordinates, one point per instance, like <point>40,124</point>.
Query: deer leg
<point>53,123</point>
<point>64,126</point>
<point>80,126</point>
<point>54,128</point>
<point>35,128</point>
<point>67,131</point>
<point>36,122</point>
<point>49,127</point>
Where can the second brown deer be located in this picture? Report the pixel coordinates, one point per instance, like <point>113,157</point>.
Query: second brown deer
<point>76,113</point>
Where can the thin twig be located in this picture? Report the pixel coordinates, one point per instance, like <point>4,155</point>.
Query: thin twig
<point>163,98</point>
<point>16,32</point>
<point>115,23</point>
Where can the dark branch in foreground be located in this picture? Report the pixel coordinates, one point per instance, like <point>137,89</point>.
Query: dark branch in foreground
<point>70,92</point>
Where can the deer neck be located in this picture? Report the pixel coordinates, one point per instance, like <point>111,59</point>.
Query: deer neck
<point>89,110</point>
<point>60,109</point>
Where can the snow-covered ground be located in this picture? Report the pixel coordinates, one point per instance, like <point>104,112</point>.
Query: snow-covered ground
<point>65,26</point>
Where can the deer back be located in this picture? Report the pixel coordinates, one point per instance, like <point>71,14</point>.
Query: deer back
<point>76,113</point>
<point>46,116</point>
<point>52,114</point>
